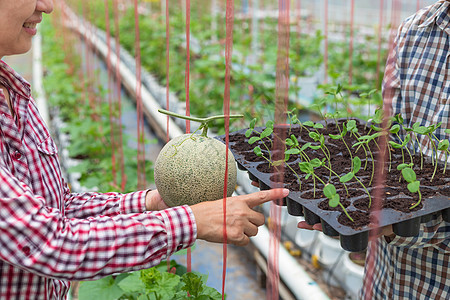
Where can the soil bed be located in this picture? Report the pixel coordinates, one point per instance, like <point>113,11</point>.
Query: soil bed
<point>392,205</point>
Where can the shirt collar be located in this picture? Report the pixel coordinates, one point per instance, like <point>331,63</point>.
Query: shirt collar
<point>441,16</point>
<point>14,80</point>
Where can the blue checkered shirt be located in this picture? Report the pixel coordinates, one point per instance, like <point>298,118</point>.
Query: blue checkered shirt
<point>417,85</point>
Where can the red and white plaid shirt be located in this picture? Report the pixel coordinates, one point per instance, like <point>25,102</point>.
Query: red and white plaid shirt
<point>49,236</point>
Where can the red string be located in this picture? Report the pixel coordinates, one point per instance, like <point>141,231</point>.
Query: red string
<point>380,173</point>
<point>188,58</point>
<point>380,38</point>
<point>118,78</point>
<point>186,85</point>
<point>167,64</point>
<point>226,110</point>
<point>350,55</point>
<point>140,115</point>
<point>325,55</point>
<point>109,92</point>
<point>281,101</point>
<point>299,18</point>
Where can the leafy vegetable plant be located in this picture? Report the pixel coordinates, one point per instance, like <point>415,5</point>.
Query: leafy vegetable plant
<point>153,284</point>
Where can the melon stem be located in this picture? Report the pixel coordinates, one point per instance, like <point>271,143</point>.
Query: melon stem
<point>203,121</point>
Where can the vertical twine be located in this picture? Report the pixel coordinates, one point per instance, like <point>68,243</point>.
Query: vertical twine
<point>118,94</point>
<point>380,176</point>
<point>380,39</point>
<point>325,55</point>
<point>226,111</point>
<point>139,106</point>
<point>350,55</point>
<point>188,58</point>
<point>109,94</point>
<point>281,102</point>
<point>167,64</point>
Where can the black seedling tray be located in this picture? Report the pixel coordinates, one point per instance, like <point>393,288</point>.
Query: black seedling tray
<point>405,224</point>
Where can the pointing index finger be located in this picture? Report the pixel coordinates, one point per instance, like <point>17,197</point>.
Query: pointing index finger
<point>265,196</point>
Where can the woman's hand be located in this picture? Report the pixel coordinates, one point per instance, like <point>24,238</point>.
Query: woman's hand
<point>153,201</point>
<point>242,221</point>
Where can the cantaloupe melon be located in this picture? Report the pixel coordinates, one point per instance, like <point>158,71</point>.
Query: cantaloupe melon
<point>191,169</point>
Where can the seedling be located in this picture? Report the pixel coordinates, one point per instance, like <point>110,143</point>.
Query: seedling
<point>356,166</point>
<point>341,137</point>
<point>394,130</point>
<point>334,199</point>
<point>413,185</point>
<point>308,168</point>
<point>264,135</point>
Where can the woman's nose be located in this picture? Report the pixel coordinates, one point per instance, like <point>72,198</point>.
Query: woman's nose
<point>45,6</point>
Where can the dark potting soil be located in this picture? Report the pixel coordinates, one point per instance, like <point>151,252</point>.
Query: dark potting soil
<point>338,154</point>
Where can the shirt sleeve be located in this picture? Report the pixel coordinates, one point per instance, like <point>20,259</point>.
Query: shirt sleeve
<point>42,240</point>
<point>84,205</point>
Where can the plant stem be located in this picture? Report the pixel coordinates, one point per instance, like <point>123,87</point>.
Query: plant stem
<point>345,211</point>
<point>417,203</point>
<point>204,121</point>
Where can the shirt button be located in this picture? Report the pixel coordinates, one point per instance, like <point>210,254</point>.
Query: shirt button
<point>26,250</point>
<point>17,155</point>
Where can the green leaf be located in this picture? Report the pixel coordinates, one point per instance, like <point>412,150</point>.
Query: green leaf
<point>248,133</point>
<point>318,126</point>
<point>253,123</point>
<point>414,186</point>
<point>335,136</point>
<point>278,162</point>
<point>329,190</point>
<point>422,130</point>
<point>409,175</point>
<point>351,125</point>
<point>399,119</point>
<point>266,132</point>
<point>289,142</point>
<point>163,284</point>
<point>257,151</point>
<point>192,284</point>
<point>334,201</point>
<point>305,146</point>
<point>356,164</point>
<point>292,151</point>
<point>443,145</point>
<point>269,124</point>
<point>105,288</point>
<point>402,166</point>
<point>315,163</point>
<point>253,140</point>
<point>309,123</point>
<point>395,129</point>
<point>395,145</point>
<point>314,135</point>
<point>347,177</point>
<point>132,283</point>
<point>306,167</point>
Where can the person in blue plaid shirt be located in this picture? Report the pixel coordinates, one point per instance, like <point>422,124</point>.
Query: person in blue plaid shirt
<point>416,85</point>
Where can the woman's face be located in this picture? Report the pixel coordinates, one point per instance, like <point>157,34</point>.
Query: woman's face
<point>18,20</point>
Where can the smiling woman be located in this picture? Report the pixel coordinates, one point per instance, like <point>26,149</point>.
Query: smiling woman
<point>18,20</point>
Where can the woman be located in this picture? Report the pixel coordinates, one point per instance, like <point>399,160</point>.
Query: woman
<point>49,236</point>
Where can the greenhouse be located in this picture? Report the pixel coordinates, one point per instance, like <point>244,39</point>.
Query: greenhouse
<point>234,149</point>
